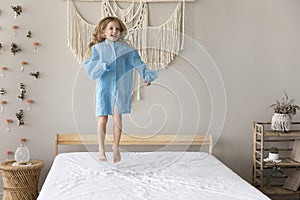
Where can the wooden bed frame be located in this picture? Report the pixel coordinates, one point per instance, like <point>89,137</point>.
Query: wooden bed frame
<point>170,139</point>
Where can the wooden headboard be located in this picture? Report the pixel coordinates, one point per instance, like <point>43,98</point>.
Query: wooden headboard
<point>169,139</point>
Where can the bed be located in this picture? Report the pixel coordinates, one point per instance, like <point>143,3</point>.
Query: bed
<point>143,175</point>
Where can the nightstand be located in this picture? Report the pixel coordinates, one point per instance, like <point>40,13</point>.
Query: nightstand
<point>21,182</point>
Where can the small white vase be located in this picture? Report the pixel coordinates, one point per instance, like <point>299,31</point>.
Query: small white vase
<point>22,154</point>
<point>273,156</point>
<point>281,122</point>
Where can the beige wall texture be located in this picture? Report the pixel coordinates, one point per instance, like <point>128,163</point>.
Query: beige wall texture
<point>238,58</point>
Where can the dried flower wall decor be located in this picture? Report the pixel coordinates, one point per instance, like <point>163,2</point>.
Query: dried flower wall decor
<point>3,102</point>
<point>22,67</point>
<point>14,48</point>
<point>23,91</point>
<point>29,102</point>
<point>29,34</point>
<point>14,28</point>
<point>17,47</point>
<point>9,154</point>
<point>2,91</point>
<point>36,75</point>
<point>3,69</point>
<point>35,45</point>
<point>20,116</point>
<point>8,122</point>
<point>17,9</point>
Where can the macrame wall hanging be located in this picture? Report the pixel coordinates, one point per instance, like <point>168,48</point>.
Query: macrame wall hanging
<point>157,45</point>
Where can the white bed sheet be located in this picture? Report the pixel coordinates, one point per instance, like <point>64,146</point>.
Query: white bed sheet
<point>145,176</point>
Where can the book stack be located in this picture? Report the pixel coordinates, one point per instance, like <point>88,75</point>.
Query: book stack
<point>293,180</point>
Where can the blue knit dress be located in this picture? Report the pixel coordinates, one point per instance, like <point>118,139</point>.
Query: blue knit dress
<point>112,64</point>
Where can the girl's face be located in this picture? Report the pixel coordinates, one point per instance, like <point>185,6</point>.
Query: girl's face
<point>112,31</point>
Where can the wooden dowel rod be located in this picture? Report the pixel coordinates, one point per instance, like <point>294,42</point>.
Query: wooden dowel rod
<point>137,1</point>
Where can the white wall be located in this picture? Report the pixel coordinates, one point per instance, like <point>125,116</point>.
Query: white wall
<point>254,44</point>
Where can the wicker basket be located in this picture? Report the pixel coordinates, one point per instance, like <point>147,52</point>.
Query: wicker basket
<point>21,182</point>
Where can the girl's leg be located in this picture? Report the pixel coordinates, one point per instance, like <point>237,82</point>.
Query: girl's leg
<point>117,129</point>
<point>101,132</point>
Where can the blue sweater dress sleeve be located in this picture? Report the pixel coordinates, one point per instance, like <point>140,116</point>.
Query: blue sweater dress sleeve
<point>146,74</point>
<point>94,66</point>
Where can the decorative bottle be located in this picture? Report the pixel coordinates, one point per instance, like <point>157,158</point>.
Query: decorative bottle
<point>22,154</point>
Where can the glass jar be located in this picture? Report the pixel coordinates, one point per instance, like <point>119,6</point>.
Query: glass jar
<point>22,154</point>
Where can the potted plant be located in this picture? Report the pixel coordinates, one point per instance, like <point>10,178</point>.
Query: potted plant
<point>284,110</point>
<point>276,171</point>
<point>273,154</point>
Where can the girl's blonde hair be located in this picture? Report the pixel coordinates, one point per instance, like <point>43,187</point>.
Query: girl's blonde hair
<point>98,35</point>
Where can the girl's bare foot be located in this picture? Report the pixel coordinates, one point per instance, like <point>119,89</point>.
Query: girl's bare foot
<point>102,156</point>
<point>117,155</point>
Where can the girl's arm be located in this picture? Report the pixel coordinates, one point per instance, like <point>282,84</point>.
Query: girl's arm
<point>93,65</point>
<point>147,75</point>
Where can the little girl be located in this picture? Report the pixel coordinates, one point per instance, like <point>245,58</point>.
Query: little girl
<point>111,61</point>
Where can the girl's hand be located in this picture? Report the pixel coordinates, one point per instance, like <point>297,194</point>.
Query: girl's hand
<point>147,83</point>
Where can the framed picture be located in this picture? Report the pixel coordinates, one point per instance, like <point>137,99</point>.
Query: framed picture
<point>296,151</point>
<point>293,181</point>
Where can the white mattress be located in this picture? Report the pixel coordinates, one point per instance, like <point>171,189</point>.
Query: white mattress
<point>144,176</point>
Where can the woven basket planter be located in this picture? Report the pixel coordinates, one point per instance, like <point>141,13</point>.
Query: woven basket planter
<point>281,122</point>
<point>21,182</point>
